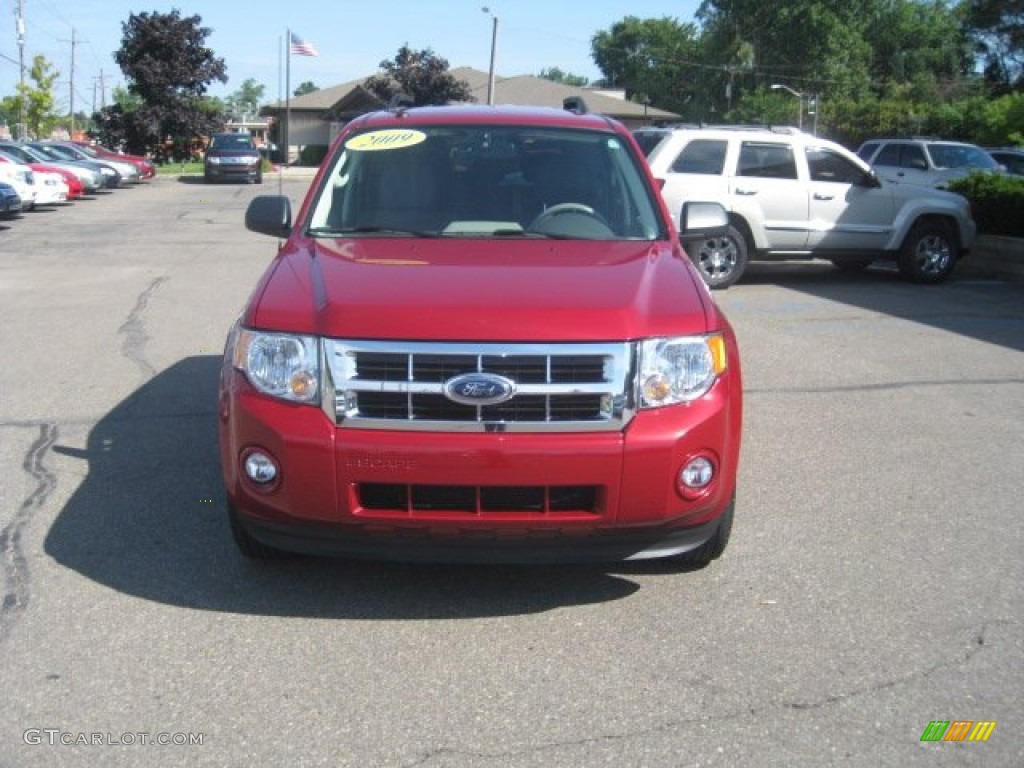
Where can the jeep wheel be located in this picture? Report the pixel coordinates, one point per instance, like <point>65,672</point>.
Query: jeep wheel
<point>722,260</point>
<point>928,254</point>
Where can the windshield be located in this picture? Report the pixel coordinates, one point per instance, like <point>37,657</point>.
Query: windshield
<point>232,141</point>
<point>486,181</point>
<point>961,156</point>
<point>57,152</point>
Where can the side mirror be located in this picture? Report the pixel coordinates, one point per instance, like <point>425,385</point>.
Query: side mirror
<point>269,215</point>
<point>870,179</point>
<point>702,221</point>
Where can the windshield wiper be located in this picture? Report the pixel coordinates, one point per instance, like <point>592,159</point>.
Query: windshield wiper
<point>369,230</point>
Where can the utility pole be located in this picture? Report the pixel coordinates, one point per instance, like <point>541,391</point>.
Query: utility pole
<point>20,27</point>
<point>74,42</point>
<point>72,97</point>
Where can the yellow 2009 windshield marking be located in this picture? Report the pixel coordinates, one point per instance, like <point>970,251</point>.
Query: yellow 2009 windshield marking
<point>392,138</point>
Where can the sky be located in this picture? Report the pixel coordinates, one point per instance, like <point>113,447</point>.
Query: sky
<point>352,38</point>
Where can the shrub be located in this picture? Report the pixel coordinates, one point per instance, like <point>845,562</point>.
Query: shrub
<point>997,201</point>
<point>312,154</point>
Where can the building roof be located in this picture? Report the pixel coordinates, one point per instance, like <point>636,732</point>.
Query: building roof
<point>521,90</point>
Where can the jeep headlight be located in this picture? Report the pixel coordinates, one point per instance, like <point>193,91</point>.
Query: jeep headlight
<point>679,370</point>
<point>279,364</point>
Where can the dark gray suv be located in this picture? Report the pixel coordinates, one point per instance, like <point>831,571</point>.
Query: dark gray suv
<point>233,156</point>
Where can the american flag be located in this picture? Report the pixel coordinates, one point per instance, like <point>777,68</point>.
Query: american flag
<point>301,48</point>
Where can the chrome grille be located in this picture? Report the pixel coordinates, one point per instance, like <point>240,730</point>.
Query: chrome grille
<point>558,387</point>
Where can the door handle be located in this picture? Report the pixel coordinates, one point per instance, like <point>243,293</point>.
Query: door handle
<point>819,196</point>
<point>746,191</point>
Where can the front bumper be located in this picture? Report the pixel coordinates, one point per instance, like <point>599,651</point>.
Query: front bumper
<point>232,171</point>
<point>319,504</point>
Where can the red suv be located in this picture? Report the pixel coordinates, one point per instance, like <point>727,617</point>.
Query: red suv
<point>481,341</point>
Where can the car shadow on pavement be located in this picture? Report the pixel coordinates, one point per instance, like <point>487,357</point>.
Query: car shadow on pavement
<point>148,520</point>
<point>987,310</point>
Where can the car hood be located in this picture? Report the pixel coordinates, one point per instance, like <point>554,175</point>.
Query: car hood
<point>481,290</point>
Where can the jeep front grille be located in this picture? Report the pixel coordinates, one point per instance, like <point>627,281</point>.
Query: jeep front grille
<point>558,387</point>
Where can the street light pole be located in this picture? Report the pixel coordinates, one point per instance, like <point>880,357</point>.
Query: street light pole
<point>494,48</point>
<point>799,101</point>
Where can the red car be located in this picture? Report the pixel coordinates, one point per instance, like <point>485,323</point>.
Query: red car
<point>98,152</point>
<point>482,341</point>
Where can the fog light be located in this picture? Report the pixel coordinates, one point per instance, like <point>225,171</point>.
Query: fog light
<point>260,468</point>
<point>697,474</point>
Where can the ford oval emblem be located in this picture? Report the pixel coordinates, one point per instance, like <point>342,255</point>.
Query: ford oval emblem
<point>479,389</point>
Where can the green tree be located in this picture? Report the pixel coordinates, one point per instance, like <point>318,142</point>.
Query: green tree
<point>997,29</point>
<point>421,75</point>
<point>556,75</point>
<point>918,49</point>
<point>35,103</point>
<point>657,60</point>
<point>809,45</point>
<point>168,66</point>
<point>246,100</point>
<point>305,87</point>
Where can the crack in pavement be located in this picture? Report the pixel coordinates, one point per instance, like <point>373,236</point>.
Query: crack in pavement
<point>16,576</point>
<point>977,644</point>
<point>134,331</point>
<point>882,387</point>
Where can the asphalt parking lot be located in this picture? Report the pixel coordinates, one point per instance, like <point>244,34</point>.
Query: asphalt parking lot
<point>874,582</point>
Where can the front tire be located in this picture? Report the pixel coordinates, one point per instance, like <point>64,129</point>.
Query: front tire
<point>247,544</point>
<point>713,548</point>
<point>721,261</point>
<point>928,254</point>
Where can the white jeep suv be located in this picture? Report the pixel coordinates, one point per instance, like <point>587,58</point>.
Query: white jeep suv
<point>793,195</point>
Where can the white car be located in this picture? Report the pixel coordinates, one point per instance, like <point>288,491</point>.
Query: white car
<point>925,161</point>
<point>22,178</point>
<point>50,188</point>
<point>793,195</point>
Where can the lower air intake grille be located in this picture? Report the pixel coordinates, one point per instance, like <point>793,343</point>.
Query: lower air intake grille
<point>479,500</point>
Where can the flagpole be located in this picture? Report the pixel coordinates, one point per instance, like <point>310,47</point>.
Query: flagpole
<point>280,165</point>
<point>287,97</point>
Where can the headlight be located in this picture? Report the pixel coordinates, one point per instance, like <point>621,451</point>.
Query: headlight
<point>679,370</point>
<point>279,364</point>
<point>213,160</point>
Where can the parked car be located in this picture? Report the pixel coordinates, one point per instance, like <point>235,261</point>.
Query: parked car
<point>89,179</point>
<point>99,152</point>
<point>44,172</point>
<point>57,153</point>
<point>129,172</point>
<point>482,341</point>
<point>232,156</point>
<point>1011,158</point>
<point>650,137</point>
<point>49,187</point>
<point>925,161</point>
<point>10,201</point>
<point>22,178</point>
<point>792,195</point>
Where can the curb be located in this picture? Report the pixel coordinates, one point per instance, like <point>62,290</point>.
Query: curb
<point>996,256</point>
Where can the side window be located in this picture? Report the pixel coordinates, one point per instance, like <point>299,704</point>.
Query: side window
<point>826,165</point>
<point>865,152</point>
<point>913,157</point>
<point>767,161</point>
<point>706,156</point>
<point>890,155</point>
